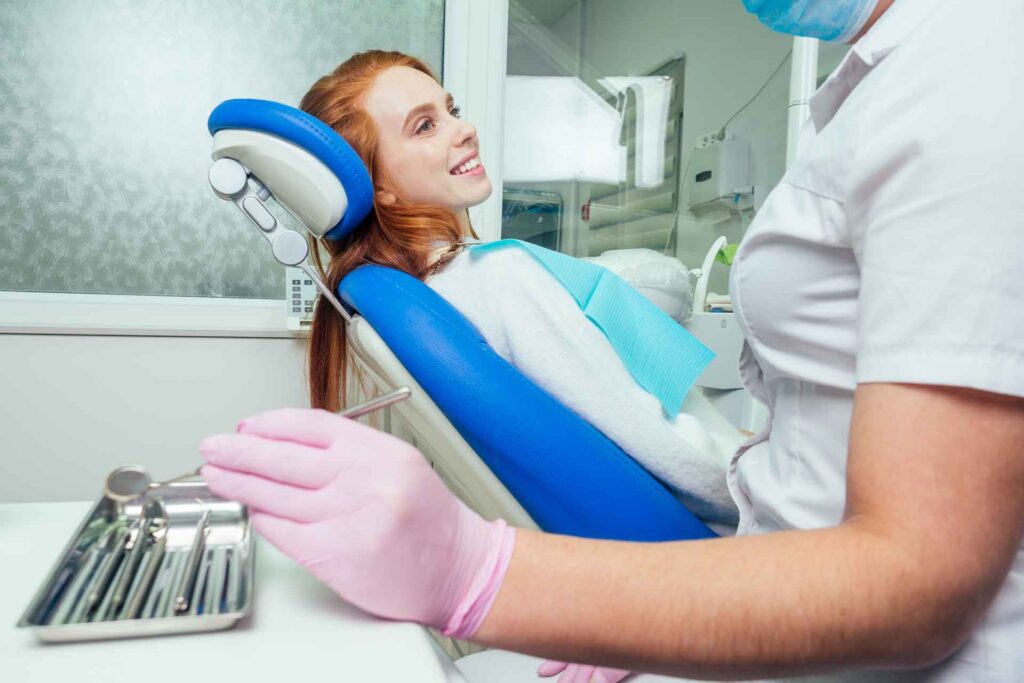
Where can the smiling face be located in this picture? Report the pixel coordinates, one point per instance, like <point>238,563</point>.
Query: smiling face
<point>428,154</point>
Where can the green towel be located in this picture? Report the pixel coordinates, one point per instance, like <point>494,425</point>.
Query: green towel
<point>726,254</point>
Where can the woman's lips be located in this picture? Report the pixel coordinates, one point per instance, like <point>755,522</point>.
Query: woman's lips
<point>478,171</point>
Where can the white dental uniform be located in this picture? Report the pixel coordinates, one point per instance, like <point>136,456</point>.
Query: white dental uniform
<point>891,252</point>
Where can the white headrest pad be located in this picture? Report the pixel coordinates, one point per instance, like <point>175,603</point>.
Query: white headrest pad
<point>299,181</point>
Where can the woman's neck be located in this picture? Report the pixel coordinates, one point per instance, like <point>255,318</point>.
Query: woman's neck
<point>465,230</point>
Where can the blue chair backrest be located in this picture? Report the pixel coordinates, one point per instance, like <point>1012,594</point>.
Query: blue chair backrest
<point>568,476</point>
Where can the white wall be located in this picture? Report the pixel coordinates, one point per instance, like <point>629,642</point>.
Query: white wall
<point>75,407</point>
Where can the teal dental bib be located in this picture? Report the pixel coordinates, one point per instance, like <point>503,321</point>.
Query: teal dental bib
<point>660,354</point>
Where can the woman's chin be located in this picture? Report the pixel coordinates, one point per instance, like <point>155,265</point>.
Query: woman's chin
<point>478,194</point>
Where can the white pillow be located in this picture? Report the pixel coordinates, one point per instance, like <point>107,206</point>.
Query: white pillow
<point>663,280</point>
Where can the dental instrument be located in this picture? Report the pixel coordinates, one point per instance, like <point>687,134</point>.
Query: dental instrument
<point>214,585</point>
<point>101,583</point>
<point>149,575</point>
<point>132,481</point>
<point>61,586</point>
<point>64,580</point>
<point>105,608</point>
<point>135,545</point>
<point>71,598</point>
<point>233,590</point>
<point>382,401</point>
<point>198,600</point>
<point>80,607</point>
<point>164,606</point>
<point>184,597</point>
<point>136,583</point>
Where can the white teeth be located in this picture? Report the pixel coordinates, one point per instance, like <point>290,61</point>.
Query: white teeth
<point>468,166</point>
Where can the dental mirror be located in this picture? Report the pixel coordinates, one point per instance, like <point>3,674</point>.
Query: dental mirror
<point>132,481</point>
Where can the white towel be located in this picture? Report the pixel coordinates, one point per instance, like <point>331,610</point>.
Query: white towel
<point>529,319</point>
<point>653,98</point>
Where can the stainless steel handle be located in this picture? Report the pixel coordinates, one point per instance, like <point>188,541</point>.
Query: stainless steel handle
<point>188,580</point>
<point>155,560</point>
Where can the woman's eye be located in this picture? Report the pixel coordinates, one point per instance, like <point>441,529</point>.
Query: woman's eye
<point>456,112</point>
<point>425,126</point>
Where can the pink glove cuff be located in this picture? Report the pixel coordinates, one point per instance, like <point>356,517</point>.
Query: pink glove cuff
<point>476,604</point>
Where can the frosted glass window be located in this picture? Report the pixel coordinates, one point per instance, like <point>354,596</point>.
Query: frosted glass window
<point>103,143</point>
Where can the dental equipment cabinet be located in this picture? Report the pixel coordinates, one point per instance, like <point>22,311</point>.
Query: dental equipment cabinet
<point>719,331</point>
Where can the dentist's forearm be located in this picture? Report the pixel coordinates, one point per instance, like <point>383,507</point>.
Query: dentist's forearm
<point>795,602</point>
<point>934,522</point>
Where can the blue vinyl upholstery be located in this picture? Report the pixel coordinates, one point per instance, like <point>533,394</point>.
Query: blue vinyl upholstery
<point>569,477</point>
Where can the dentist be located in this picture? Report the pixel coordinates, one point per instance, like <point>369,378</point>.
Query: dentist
<point>882,508</point>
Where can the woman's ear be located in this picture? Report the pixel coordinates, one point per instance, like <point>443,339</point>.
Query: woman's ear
<point>385,198</point>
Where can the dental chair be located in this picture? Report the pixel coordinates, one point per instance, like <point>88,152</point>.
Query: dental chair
<point>502,444</point>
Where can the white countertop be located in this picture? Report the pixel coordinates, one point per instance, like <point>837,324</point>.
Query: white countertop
<point>299,630</point>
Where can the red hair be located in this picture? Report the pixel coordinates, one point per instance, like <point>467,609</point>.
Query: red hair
<point>397,235</point>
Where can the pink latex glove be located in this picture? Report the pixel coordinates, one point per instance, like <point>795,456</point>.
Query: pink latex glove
<point>580,673</point>
<point>365,513</point>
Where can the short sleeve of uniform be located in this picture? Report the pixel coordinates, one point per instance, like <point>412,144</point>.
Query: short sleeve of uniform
<point>937,217</point>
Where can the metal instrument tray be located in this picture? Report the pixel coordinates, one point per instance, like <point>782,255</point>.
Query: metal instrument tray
<point>223,588</point>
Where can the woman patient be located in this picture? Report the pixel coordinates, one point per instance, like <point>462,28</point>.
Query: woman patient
<point>427,171</point>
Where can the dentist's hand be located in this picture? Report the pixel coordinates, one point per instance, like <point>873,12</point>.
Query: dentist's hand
<point>365,513</point>
<point>580,673</point>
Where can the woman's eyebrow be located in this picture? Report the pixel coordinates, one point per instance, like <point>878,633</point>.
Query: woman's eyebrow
<point>424,109</point>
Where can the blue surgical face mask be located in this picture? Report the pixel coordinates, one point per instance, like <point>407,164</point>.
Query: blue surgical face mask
<point>831,20</point>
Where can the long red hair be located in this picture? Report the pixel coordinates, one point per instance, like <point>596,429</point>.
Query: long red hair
<point>398,235</point>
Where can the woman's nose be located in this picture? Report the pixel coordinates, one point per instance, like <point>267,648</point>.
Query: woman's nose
<point>465,132</point>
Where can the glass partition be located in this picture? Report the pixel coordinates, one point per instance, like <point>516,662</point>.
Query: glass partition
<point>657,124</point>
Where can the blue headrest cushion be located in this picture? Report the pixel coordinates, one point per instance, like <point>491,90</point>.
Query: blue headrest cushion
<point>314,136</point>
